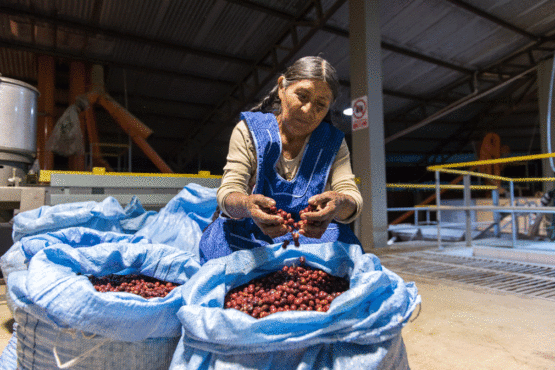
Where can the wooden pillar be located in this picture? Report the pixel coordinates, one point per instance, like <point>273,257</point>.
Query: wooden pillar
<point>46,106</point>
<point>77,86</point>
<point>368,131</point>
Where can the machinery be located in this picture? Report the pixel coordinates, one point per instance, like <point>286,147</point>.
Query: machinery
<point>18,153</point>
<point>18,129</point>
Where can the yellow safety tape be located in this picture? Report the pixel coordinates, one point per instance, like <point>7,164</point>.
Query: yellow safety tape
<point>477,174</point>
<point>532,179</point>
<point>491,161</point>
<point>431,186</point>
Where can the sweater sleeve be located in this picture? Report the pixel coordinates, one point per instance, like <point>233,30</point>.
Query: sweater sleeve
<point>342,179</point>
<point>240,169</point>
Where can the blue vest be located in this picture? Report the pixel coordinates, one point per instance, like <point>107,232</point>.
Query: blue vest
<point>226,235</point>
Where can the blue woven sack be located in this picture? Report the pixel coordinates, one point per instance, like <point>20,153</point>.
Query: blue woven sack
<point>63,320</point>
<point>181,222</point>
<point>19,254</point>
<point>76,237</point>
<point>102,216</point>
<point>361,329</point>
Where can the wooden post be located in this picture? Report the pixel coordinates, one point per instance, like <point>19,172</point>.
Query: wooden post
<point>46,106</point>
<point>77,83</point>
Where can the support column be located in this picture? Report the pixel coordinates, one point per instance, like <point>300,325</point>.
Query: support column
<point>544,78</point>
<point>77,83</point>
<point>368,143</point>
<point>46,106</point>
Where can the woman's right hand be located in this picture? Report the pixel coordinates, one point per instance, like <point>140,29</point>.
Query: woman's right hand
<point>258,208</point>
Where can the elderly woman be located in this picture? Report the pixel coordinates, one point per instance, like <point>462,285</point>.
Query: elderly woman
<point>283,154</point>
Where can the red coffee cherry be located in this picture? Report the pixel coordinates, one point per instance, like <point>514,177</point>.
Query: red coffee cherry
<point>290,288</point>
<point>145,286</point>
<point>293,226</point>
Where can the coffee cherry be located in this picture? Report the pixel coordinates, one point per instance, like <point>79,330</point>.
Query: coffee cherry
<point>290,288</point>
<point>145,286</point>
<point>292,225</point>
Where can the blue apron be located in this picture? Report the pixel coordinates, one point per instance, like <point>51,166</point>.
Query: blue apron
<point>225,235</point>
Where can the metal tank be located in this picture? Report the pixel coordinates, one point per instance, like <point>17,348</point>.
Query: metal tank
<point>18,128</point>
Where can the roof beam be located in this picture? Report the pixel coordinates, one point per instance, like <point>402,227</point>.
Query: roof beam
<point>457,105</point>
<point>136,67</point>
<point>494,68</point>
<point>494,19</point>
<point>246,90</point>
<point>263,9</point>
<point>425,58</point>
<point>156,43</point>
<point>345,33</point>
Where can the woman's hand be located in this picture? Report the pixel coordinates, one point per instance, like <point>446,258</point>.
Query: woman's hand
<point>328,206</point>
<point>258,208</point>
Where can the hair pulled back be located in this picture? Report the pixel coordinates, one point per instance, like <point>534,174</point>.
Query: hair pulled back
<point>313,68</point>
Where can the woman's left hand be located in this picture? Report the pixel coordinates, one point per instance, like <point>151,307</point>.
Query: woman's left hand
<point>328,206</point>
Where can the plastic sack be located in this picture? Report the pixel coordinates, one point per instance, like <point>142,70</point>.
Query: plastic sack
<point>63,320</point>
<point>361,330</point>
<point>17,257</point>
<point>102,216</point>
<point>41,344</point>
<point>8,359</point>
<point>136,216</point>
<point>13,260</point>
<point>76,237</point>
<point>67,138</point>
<point>181,222</point>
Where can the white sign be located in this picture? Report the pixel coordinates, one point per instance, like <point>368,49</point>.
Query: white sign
<point>359,119</point>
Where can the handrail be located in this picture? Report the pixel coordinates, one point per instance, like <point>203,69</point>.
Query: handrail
<point>430,199</point>
<point>430,186</point>
<point>491,161</point>
<point>448,168</point>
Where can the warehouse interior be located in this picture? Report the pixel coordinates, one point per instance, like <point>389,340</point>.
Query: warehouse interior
<point>186,69</point>
<point>160,86</point>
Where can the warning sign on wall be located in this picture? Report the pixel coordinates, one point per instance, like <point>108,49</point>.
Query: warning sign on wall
<point>359,118</point>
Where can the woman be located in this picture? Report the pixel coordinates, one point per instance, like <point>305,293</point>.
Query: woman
<point>284,154</point>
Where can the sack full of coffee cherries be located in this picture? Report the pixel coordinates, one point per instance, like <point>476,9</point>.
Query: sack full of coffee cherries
<point>318,306</point>
<point>18,256</point>
<point>109,306</point>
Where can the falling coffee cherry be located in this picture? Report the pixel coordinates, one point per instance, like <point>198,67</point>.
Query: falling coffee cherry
<point>296,239</point>
<point>292,226</point>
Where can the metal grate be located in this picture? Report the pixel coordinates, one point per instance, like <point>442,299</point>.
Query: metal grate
<point>507,276</point>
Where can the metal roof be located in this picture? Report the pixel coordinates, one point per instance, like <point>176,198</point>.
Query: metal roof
<point>188,67</point>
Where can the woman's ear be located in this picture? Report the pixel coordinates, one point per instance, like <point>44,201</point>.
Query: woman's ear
<point>281,88</point>
<point>280,81</point>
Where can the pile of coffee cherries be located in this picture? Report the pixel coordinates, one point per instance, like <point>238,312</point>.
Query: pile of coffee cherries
<point>145,286</point>
<point>291,223</point>
<point>293,288</point>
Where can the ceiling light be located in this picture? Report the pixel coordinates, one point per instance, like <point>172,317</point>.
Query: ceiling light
<point>348,112</point>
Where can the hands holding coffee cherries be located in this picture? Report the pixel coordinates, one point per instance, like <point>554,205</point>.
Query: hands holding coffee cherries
<point>313,222</point>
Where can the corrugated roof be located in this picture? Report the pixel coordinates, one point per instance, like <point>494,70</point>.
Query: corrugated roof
<point>214,53</point>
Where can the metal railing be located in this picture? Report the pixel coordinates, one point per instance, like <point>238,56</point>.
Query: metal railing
<point>513,209</point>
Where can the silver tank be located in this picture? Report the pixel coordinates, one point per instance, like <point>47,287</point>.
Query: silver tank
<point>18,128</point>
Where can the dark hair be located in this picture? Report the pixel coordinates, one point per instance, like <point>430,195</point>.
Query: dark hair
<point>314,68</point>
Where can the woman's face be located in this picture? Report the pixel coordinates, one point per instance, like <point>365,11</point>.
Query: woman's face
<point>304,104</point>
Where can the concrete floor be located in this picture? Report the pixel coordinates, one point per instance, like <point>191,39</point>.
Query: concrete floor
<point>459,327</point>
<point>462,327</point>
<point>6,320</point>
